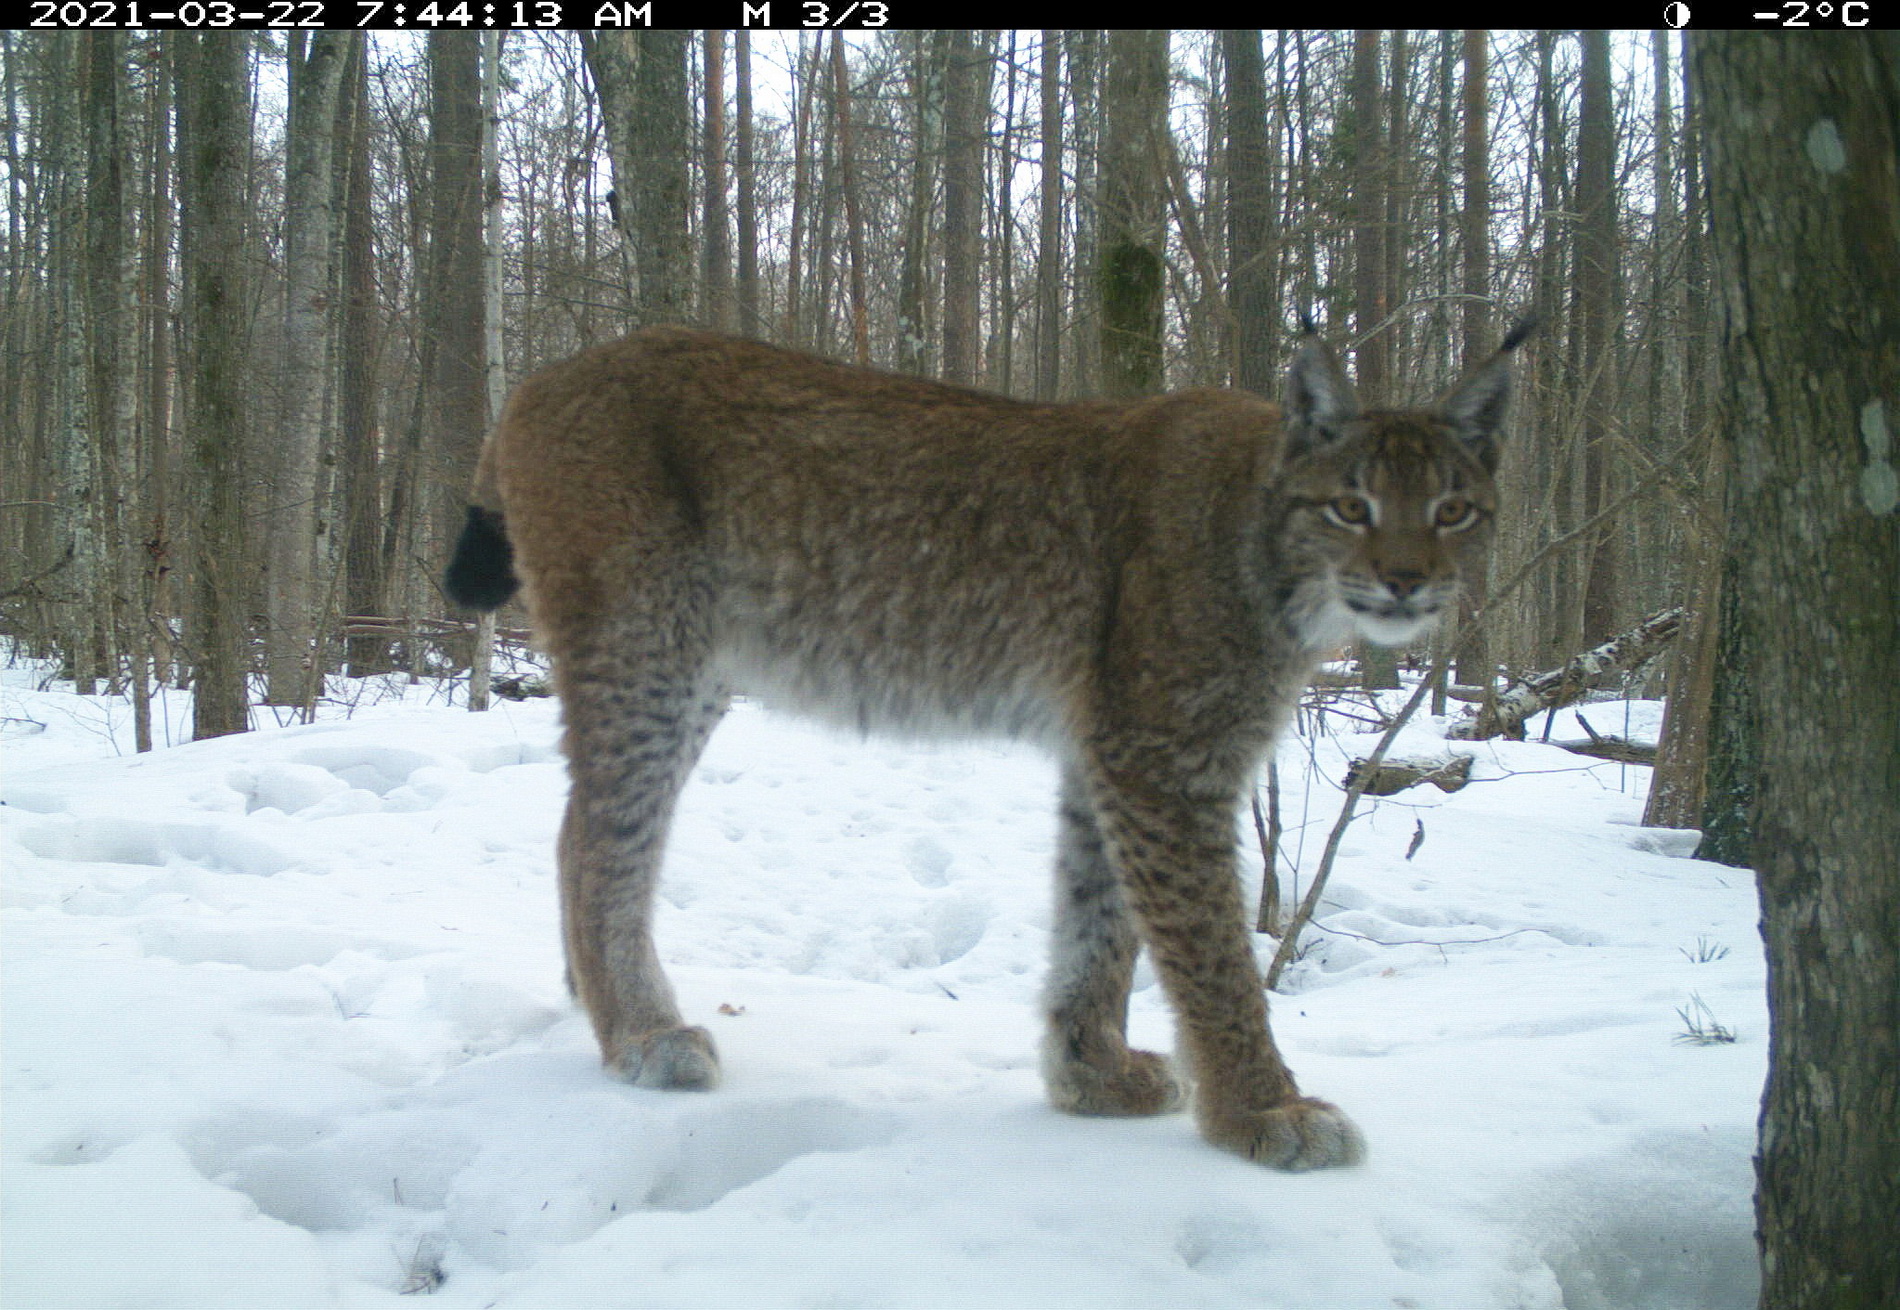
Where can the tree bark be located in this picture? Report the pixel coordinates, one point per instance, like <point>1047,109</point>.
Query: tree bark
<point>1372,300</point>
<point>716,260</point>
<point>847,182</point>
<point>1474,650</point>
<point>662,144</point>
<point>1253,276</point>
<point>1049,229</point>
<point>363,581</point>
<point>109,397</point>
<point>965,114</point>
<point>454,384</point>
<point>750,322</point>
<point>290,641</point>
<point>494,362</point>
<point>1596,282</point>
<point>928,54</point>
<point>1132,212</point>
<point>1804,204</point>
<point>213,147</point>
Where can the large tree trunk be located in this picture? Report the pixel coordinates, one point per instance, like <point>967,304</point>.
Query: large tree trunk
<point>1372,299</point>
<point>494,362</point>
<point>1253,278</point>
<point>929,54</point>
<point>1083,57</point>
<point>1805,211</point>
<point>361,455</point>
<point>640,78</point>
<point>965,115</point>
<point>454,383</point>
<point>662,146</point>
<point>1596,279</point>
<point>213,145</point>
<point>1049,226</point>
<point>1133,212</point>
<point>716,259</point>
<point>291,651</point>
<point>1474,650</point>
<point>750,323</point>
<point>847,182</point>
<point>109,397</point>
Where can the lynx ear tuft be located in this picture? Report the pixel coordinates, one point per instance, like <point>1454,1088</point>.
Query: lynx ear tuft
<point>1319,399</point>
<point>1475,407</point>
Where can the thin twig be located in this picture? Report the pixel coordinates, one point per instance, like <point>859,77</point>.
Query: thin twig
<point>1290,939</point>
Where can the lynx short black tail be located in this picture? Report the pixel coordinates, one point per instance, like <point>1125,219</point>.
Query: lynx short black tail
<point>482,574</point>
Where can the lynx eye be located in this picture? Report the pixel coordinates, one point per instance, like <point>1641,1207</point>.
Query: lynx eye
<point>1349,511</point>
<point>1454,513</point>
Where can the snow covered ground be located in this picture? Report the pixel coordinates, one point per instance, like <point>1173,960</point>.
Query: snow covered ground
<point>285,1027</point>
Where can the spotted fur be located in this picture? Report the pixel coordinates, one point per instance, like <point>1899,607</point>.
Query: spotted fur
<point>1142,587</point>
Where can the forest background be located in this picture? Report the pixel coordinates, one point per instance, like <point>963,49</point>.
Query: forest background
<point>263,294</point>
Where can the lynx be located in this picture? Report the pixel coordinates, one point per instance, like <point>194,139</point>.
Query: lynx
<point>1142,586</point>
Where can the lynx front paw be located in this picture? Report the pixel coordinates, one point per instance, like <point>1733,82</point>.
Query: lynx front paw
<point>1140,1083</point>
<point>682,1059</point>
<point>1300,1135</point>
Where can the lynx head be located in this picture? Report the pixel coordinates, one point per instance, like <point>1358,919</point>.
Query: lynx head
<point>1388,510</point>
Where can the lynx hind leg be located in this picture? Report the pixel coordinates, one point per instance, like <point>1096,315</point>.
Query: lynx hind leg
<point>1172,843</point>
<point>637,719</point>
<point>1087,1064</point>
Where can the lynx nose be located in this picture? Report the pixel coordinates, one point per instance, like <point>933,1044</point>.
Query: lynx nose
<point>1403,583</point>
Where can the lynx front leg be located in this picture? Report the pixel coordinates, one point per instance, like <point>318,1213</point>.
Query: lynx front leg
<point>1086,1061</point>
<point>634,728</point>
<point>1173,847</point>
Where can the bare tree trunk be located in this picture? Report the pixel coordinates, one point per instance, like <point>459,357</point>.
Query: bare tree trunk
<point>150,644</point>
<point>611,58</point>
<point>1396,243</point>
<point>965,115</point>
<point>292,651</point>
<point>662,140</point>
<point>1371,289</point>
<point>454,385</point>
<point>716,259</point>
<point>750,320</point>
<point>63,141</point>
<point>494,371</point>
<point>1474,651</point>
<point>1253,276</point>
<point>363,586</point>
<point>1133,211</point>
<point>1678,789</point>
<point>999,366</point>
<point>1049,228</point>
<point>109,398</point>
<point>806,85</point>
<point>1596,308</point>
<point>1084,62</point>
<point>929,55</point>
<point>1804,202</point>
<point>854,228</point>
<point>1369,181</point>
<point>213,145</point>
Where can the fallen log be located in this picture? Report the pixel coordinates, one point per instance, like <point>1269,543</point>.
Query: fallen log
<point>1612,748</point>
<point>1394,776</point>
<point>1595,668</point>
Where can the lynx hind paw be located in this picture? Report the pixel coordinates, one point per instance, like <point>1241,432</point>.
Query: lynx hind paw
<point>1145,1084</point>
<point>1300,1135</point>
<point>678,1059</point>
